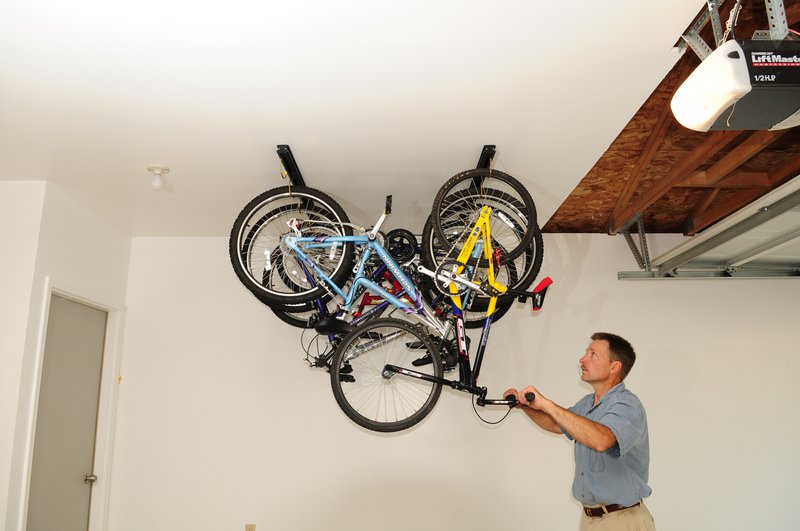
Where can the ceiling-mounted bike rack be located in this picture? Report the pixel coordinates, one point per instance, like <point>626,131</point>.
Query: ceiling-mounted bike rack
<point>487,154</point>
<point>296,178</point>
<point>484,162</point>
<point>290,165</point>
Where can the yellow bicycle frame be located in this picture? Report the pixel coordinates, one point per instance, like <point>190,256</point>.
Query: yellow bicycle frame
<point>479,231</point>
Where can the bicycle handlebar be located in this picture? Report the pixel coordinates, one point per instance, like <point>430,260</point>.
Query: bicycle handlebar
<point>530,397</point>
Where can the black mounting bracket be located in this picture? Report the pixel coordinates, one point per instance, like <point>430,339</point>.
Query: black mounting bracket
<point>296,178</point>
<point>487,154</point>
<point>290,165</point>
<point>484,162</point>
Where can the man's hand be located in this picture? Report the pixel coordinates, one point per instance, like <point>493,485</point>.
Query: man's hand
<point>538,399</point>
<point>534,409</point>
<point>522,397</point>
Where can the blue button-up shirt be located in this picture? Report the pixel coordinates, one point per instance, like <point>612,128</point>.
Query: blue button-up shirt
<point>618,475</point>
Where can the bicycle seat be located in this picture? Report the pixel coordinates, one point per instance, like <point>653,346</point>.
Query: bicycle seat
<point>332,325</point>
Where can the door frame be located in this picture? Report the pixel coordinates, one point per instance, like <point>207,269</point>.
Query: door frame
<point>107,403</point>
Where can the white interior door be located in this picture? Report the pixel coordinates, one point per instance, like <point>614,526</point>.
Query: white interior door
<point>66,420</point>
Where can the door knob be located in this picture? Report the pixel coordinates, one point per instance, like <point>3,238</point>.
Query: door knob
<point>89,478</point>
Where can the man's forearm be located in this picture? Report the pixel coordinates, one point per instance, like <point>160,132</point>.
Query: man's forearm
<point>543,420</point>
<point>587,432</point>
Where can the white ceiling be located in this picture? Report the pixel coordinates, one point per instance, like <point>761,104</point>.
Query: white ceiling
<point>374,98</point>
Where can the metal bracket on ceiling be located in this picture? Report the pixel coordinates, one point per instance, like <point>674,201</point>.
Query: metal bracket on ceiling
<point>693,38</point>
<point>695,30</point>
<point>639,253</point>
<point>697,44</point>
<point>290,165</point>
<point>716,25</point>
<point>296,178</point>
<point>487,154</point>
<point>778,27</point>
<point>484,162</point>
<point>776,16</point>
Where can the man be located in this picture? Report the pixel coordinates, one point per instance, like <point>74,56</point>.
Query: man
<point>609,429</point>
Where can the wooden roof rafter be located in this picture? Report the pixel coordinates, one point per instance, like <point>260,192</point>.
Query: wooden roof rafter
<point>713,143</point>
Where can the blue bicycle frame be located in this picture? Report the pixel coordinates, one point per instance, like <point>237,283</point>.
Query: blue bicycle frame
<point>413,304</point>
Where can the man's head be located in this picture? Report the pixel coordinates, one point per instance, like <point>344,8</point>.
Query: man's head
<point>607,356</point>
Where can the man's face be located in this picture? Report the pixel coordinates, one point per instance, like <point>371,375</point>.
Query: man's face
<point>596,364</point>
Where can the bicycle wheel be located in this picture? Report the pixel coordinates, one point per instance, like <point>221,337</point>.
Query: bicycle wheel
<point>460,200</point>
<point>381,402</point>
<point>263,263</point>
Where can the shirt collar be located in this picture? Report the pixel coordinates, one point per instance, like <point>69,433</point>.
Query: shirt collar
<point>614,390</point>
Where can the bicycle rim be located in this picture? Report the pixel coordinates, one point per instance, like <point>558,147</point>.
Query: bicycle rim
<point>260,258</point>
<point>462,197</point>
<point>370,398</point>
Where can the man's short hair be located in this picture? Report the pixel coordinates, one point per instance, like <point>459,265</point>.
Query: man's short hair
<point>621,351</point>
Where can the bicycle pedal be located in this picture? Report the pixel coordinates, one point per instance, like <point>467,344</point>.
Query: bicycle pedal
<point>346,369</point>
<point>424,360</point>
<point>346,378</point>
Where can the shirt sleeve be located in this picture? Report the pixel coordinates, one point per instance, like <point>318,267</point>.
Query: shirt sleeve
<point>625,418</point>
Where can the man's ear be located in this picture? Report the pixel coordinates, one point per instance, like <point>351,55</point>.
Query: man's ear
<point>616,366</point>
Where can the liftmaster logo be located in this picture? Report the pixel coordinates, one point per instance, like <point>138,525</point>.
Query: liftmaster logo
<point>774,59</point>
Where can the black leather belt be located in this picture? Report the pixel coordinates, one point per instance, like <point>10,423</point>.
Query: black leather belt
<point>598,511</point>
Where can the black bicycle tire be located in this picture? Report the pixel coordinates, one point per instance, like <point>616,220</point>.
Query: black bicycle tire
<point>239,244</point>
<point>299,315</point>
<point>240,251</point>
<point>529,212</point>
<point>337,376</point>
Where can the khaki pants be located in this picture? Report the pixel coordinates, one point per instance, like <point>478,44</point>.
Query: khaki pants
<point>633,519</point>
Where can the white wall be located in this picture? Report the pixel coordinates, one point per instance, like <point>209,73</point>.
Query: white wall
<point>78,254</point>
<point>21,204</point>
<point>220,422</point>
